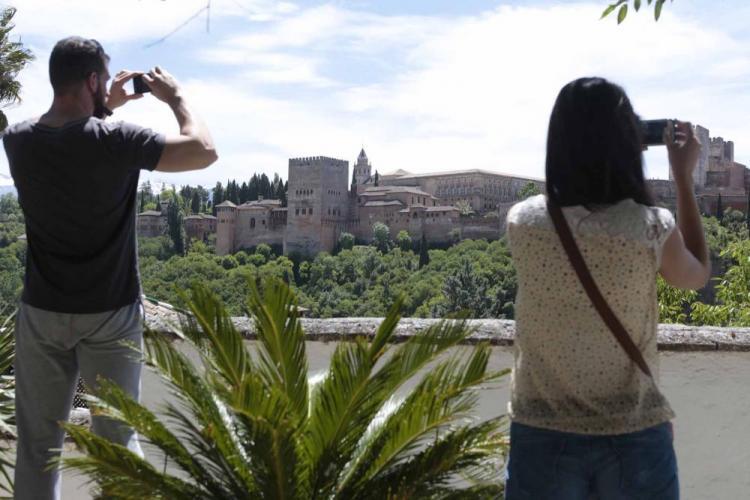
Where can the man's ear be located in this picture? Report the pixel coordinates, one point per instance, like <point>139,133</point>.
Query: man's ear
<point>92,82</point>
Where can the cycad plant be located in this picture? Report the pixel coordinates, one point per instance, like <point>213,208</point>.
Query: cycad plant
<point>250,424</point>
<point>7,400</point>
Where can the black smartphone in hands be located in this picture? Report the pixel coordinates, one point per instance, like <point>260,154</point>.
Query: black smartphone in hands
<point>653,131</point>
<point>139,86</point>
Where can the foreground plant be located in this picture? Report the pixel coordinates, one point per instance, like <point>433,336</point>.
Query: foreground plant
<point>252,425</point>
<point>7,400</point>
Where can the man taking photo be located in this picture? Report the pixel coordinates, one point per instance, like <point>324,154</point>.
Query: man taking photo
<point>77,175</point>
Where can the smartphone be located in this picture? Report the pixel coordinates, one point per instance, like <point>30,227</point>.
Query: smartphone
<point>653,131</point>
<point>139,86</point>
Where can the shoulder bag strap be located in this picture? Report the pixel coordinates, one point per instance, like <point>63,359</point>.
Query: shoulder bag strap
<point>596,297</point>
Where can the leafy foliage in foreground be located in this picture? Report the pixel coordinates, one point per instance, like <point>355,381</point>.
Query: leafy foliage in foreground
<point>622,7</point>
<point>7,400</point>
<point>252,425</point>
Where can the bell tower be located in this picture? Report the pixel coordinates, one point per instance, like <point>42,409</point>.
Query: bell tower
<point>362,168</point>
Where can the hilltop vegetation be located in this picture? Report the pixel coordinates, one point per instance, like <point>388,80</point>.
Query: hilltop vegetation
<point>477,276</point>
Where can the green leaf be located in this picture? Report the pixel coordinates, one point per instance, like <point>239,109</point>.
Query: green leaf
<point>622,14</point>
<point>608,11</point>
<point>282,342</point>
<point>637,5</point>
<point>611,7</point>
<point>657,9</point>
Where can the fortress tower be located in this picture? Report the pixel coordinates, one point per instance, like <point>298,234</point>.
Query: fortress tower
<point>226,218</point>
<point>317,204</point>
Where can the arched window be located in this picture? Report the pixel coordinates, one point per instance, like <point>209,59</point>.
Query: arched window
<point>252,223</point>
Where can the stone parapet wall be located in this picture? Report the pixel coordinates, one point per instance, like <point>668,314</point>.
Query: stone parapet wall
<point>495,331</point>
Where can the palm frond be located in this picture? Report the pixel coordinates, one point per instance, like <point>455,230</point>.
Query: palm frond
<point>281,349</point>
<point>119,405</point>
<point>210,328</point>
<point>278,463</point>
<point>435,470</point>
<point>443,396</point>
<point>212,426</point>
<point>344,403</point>
<point>121,473</point>
<point>248,429</point>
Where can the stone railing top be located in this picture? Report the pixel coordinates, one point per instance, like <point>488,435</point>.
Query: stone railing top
<point>163,318</point>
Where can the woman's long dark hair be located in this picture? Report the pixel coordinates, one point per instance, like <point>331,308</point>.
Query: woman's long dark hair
<point>594,153</point>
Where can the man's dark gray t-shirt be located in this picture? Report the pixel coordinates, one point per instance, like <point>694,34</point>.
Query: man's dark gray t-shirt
<point>77,187</point>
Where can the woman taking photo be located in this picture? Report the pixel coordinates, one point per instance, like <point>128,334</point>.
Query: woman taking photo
<point>588,418</point>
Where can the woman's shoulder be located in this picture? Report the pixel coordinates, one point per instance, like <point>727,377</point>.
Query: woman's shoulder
<point>530,211</point>
<point>636,221</point>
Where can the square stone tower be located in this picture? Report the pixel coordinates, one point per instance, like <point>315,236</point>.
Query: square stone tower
<point>318,204</point>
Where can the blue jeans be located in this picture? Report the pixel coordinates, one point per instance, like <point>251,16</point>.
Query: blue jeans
<point>546,464</point>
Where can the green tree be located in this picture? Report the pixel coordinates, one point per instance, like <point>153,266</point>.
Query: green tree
<point>195,202</point>
<point>529,190</point>
<point>251,425</point>
<point>732,307</point>
<point>264,251</point>
<point>13,58</point>
<point>622,7</point>
<point>346,241</point>
<point>424,253</point>
<point>403,240</point>
<point>381,236</point>
<point>674,303</point>
<point>218,196</point>
<point>466,291</point>
<point>719,209</point>
<point>175,226</point>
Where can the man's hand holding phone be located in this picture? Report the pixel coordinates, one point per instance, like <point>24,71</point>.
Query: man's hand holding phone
<point>117,95</point>
<point>163,85</point>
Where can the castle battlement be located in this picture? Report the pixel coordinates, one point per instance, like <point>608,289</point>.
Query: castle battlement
<point>308,160</point>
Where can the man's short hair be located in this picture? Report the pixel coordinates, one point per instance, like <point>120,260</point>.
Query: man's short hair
<point>73,59</point>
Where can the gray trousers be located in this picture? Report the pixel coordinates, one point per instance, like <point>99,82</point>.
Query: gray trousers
<point>51,348</point>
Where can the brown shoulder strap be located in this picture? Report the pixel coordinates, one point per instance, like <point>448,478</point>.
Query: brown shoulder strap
<point>596,297</point>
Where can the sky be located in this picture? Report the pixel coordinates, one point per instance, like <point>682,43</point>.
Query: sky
<point>422,85</point>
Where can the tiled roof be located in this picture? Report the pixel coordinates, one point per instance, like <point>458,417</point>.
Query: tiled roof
<point>443,208</point>
<point>399,175</point>
<point>382,190</point>
<point>200,216</point>
<point>226,203</point>
<point>383,203</point>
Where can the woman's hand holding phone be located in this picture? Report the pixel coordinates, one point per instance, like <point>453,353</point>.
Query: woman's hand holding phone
<point>683,149</point>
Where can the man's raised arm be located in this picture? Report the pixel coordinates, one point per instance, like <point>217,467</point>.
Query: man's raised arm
<point>193,149</point>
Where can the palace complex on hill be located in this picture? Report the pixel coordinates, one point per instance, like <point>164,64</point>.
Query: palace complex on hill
<point>322,203</point>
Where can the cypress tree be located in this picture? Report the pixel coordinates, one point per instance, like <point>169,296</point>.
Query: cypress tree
<point>175,227</point>
<point>719,209</point>
<point>424,255</point>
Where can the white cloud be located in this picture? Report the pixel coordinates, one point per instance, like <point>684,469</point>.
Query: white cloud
<point>436,93</point>
<point>123,20</point>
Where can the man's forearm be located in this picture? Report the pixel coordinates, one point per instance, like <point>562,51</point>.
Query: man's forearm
<point>689,220</point>
<point>190,124</point>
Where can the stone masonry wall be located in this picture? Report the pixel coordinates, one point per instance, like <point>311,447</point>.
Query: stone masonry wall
<point>163,318</point>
